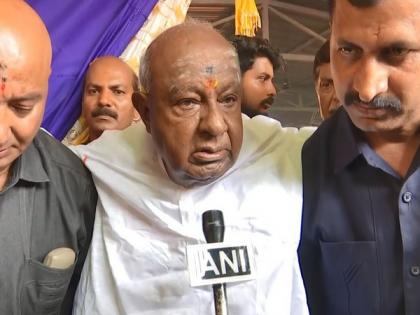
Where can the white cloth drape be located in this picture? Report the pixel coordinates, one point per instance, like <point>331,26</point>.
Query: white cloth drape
<point>137,262</point>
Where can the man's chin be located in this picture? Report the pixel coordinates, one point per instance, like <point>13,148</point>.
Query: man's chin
<point>201,175</point>
<point>104,125</point>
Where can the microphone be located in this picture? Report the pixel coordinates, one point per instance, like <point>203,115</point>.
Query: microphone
<point>214,232</point>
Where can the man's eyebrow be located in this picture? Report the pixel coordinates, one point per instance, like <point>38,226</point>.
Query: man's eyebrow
<point>33,97</point>
<point>116,86</point>
<point>264,73</point>
<point>343,42</point>
<point>390,44</point>
<point>399,43</point>
<point>92,85</point>
<point>174,90</point>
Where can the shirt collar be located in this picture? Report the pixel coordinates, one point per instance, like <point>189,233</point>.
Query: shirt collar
<point>373,159</point>
<point>31,167</point>
<point>27,167</point>
<point>345,147</point>
<point>348,144</point>
<point>415,164</point>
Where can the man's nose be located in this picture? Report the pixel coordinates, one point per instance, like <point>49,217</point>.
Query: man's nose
<point>272,91</point>
<point>212,119</point>
<point>105,98</point>
<point>371,79</point>
<point>4,125</point>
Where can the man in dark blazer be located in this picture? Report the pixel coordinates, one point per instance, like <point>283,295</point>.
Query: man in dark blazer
<point>360,243</point>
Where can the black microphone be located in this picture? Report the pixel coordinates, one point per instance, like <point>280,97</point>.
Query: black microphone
<point>214,232</point>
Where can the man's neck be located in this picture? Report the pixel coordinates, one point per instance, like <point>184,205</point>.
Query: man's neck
<point>94,134</point>
<point>397,151</point>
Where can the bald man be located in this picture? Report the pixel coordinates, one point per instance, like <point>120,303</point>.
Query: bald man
<point>47,197</point>
<point>193,153</point>
<point>107,105</point>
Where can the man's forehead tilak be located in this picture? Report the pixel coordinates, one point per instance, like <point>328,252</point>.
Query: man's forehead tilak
<point>3,76</point>
<point>211,82</point>
<point>188,67</point>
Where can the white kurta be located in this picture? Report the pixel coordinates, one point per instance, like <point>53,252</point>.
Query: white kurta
<point>137,262</point>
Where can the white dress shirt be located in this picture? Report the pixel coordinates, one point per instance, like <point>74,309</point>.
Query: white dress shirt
<point>137,262</point>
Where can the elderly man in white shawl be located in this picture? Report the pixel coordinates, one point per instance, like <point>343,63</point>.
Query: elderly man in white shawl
<point>194,152</point>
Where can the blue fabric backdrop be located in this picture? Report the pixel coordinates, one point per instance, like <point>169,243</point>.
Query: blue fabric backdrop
<point>81,30</point>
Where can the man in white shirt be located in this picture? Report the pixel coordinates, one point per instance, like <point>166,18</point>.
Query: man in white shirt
<point>194,153</point>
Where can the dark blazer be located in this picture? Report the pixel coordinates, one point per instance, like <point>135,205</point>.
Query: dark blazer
<point>351,252</point>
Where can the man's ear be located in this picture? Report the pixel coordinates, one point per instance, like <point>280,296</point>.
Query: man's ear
<point>141,105</point>
<point>136,116</point>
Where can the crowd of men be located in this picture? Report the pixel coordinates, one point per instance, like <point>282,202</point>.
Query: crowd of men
<point>331,215</point>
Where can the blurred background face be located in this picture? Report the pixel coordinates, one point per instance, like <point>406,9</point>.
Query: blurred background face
<point>107,95</point>
<point>195,114</point>
<point>258,88</point>
<point>324,87</point>
<point>376,62</point>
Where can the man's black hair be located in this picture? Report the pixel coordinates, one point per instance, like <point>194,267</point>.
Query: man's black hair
<point>250,48</point>
<point>322,57</point>
<point>356,3</point>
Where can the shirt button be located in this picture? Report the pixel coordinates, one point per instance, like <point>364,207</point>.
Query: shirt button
<point>415,271</point>
<point>406,197</point>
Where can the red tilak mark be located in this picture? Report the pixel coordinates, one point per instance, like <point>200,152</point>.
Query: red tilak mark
<point>3,86</point>
<point>212,83</point>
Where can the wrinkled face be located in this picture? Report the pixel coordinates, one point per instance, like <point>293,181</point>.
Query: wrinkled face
<point>375,58</point>
<point>258,88</point>
<point>324,87</point>
<point>194,113</point>
<point>107,97</point>
<point>23,92</point>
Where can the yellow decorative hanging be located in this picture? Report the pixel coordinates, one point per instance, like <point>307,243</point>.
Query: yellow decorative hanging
<point>247,18</point>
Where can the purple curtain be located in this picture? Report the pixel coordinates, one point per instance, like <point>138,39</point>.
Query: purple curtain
<point>81,30</point>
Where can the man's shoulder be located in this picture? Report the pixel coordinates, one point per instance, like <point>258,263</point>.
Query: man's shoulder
<point>264,127</point>
<point>266,141</point>
<point>55,155</point>
<point>324,135</point>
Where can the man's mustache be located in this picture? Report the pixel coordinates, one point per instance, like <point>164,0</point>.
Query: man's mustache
<point>378,102</point>
<point>104,111</point>
<point>268,100</point>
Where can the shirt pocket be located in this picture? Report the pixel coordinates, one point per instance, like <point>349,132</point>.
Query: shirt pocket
<point>43,288</point>
<point>350,277</point>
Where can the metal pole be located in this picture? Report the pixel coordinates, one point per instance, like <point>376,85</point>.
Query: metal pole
<point>265,19</point>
